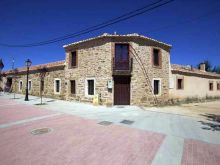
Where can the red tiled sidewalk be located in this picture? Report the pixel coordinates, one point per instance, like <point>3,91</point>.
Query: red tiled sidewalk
<point>197,152</point>
<point>7,101</point>
<point>12,113</point>
<point>77,141</point>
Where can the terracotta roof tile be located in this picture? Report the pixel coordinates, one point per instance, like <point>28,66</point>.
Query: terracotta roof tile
<point>105,35</point>
<point>188,69</point>
<point>40,66</point>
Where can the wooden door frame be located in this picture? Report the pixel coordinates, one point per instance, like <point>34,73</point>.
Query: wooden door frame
<point>114,89</point>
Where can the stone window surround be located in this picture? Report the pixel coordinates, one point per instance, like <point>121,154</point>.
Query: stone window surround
<point>86,86</point>
<point>28,85</point>
<point>20,85</point>
<point>160,57</point>
<point>160,89</point>
<point>57,93</point>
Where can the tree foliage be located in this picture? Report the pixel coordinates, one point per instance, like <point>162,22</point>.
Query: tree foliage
<point>216,69</point>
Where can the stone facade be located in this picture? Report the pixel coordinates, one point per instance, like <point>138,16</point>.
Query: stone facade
<point>35,79</point>
<point>95,59</point>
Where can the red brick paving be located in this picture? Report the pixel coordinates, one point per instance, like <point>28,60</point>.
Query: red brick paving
<point>201,153</point>
<point>7,101</point>
<point>77,141</point>
<point>12,113</point>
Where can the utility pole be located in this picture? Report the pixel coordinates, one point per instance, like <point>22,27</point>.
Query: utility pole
<point>14,76</point>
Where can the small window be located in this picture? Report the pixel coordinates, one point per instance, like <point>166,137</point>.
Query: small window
<point>218,86</point>
<point>156,87</point>
<point>29,85</point>
<point>211,86</point>
<point>179,83</point>
<point>156,58</point>
<point>20,85</point>
<point>73,86</point>
<point>42,85</point>
<point>90,87</point>
<point>73,59</point>
<point>57,86</point>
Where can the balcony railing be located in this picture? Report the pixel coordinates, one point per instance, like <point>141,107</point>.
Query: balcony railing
<point>123,67</point>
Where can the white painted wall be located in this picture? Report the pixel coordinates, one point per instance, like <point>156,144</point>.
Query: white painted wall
<point>193,87</point>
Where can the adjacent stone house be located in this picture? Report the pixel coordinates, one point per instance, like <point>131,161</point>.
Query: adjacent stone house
<point>118,69</point>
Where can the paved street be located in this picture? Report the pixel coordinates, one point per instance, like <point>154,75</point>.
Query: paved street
<point>86,134</point>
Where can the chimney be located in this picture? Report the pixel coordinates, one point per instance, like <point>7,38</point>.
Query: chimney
<point>202,67</point>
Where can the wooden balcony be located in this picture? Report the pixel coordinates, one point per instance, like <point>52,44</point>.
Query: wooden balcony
<point>122,67</point>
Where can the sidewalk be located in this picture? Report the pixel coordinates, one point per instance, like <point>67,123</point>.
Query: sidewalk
<point>178,128</point>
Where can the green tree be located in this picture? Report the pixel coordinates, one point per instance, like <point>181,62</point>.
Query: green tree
<point>216,69</point>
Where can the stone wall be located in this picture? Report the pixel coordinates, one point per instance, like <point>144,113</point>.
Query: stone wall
<point>142,84</point>
<point>34,77</point>
<point>95,61</point>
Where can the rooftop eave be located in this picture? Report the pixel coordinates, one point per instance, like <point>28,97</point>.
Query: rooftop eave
<point>204,74</point>
<point>105,35</point>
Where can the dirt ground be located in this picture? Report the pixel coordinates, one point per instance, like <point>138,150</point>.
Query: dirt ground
<point>197,110</point>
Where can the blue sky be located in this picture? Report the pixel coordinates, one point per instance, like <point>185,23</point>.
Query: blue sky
<point>25,21</point>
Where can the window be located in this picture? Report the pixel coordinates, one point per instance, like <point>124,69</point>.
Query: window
<point>156,87</point>
<point>29,85</point>
<point>42,85</point>
<point>73,58</point>
<point>121,56</point>
<point>211,86</point>
<point>90,87</point>
<point>20,85</point>
<point>218,86</point>
<point>57,86</point>
<point>179,83</point>
<point>73,86</point>
<point>156,58</point>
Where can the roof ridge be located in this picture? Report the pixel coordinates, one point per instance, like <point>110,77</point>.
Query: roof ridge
<point>183,68</point>
<point>116,35</point>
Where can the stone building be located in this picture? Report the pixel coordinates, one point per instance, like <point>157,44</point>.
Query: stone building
<point>188,82</point>
<point>118,69</point>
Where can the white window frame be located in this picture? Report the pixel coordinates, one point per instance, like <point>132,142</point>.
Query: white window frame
<point>86,87</point>
<point>55,92</point>
<point>160,82</point>
<point>19,85</point>
<point>28,85</point>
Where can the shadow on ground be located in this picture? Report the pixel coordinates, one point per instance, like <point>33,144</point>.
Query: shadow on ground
<point>212,123</point>
<point>41,104</point>
<point>51,100</point>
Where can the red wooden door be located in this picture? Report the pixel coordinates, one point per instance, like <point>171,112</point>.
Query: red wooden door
<point>122,90</point>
